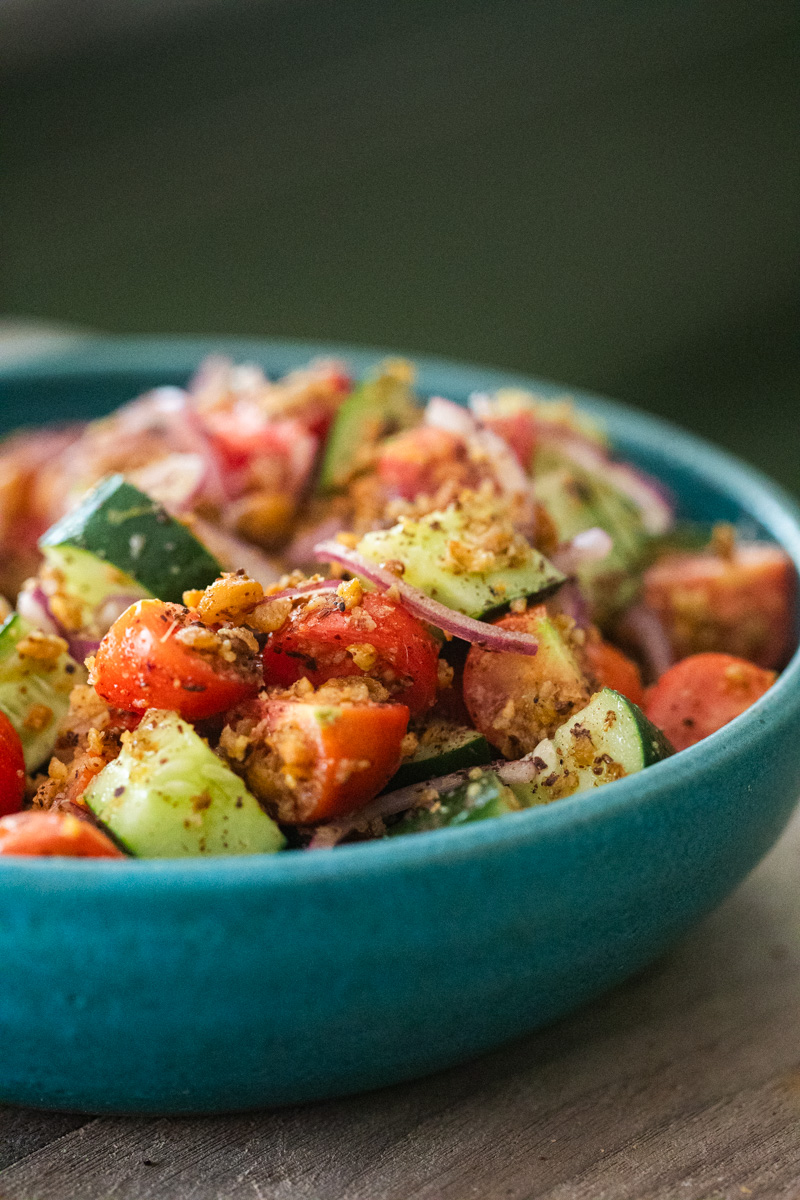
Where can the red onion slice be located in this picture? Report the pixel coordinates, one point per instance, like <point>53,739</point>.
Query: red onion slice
<point>479,633</point>
<point>304,589</point>
<point>643,629</point>
<point>511,478</point>
<point>570,601</point>
<point>34,606</point>
<point>648,494</point>
<point>522,770</point>
<point>650,497</point>
<point>589,546</point>
<point>233,553</point>
<point>82,647</point>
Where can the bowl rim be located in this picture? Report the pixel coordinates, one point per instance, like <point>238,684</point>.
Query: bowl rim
<point>766,501</point>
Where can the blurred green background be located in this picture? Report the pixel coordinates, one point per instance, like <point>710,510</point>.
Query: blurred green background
<point>601,193</point>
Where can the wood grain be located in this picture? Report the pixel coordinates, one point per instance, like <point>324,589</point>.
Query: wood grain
<point>684,1083</point>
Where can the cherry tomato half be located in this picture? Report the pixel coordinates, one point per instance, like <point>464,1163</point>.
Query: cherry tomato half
<point>741,605</point>
<point>337,756</point>
<point>615,670</point>
<point>159,655</point>
<point>377,638</point>
<point>12,768</point>
<point>46,834</point>
<point>702,693</point>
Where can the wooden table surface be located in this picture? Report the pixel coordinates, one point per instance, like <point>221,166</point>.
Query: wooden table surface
<point>684,1084</point>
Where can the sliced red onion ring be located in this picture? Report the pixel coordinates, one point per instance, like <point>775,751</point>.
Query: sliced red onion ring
<point>81,647</point>
<point>479,633</point>
<point>172,413</point>
<point>643,629</point>
<point>591,545</point>
<point>112,608</point>
<point>446,414</point>
<point>511,478</point>
<point>522,770</point>
<point>570,600</point>
<point>33,605</point>
<point>650,497</point>
<point>177,481</point>
<point>305,589</point>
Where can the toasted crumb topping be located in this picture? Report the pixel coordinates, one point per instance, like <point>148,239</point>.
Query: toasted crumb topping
<point>42,647</point>
<point>364,655</point>
<point>229,598</point>
<point>351,594</point>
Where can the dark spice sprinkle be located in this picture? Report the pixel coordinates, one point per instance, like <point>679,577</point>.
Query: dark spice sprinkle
<point>193,687</point>
<point>119,790</point>
<point>551,779</point>
<point>69,668</point>
<point>539,763</point>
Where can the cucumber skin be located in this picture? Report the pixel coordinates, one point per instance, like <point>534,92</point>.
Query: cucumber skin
<point>650,746</point>
<point>490,798</point>
<point>475,753</point>
<point>656,746</point>
<point>49,686</point>
<point>168,795</point>
<point>124,527</point>
<point>363,417</point>
<point>577,499</point>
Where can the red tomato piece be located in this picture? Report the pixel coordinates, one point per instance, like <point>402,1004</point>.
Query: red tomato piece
<point>159,655</point>
<point>615,670</point>
<point>702,693</point>
<point>740,605</point>
<point>323,760</point>
<point>45,834</point>
<point>378,638</point>
<point>515,700</point>
<point>12,768</point>
<point>518,429</point>
<point>421,460</point>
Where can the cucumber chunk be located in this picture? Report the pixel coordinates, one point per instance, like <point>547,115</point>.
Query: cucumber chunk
<point>476,800</point>
<point>377,407</point>
<point>578,499</point>
<point>424,549</point>
<point>125,530</point>
<point>169,796</point>
<point>607,740</point>
<point>34,691</point>
<point>444,747</point>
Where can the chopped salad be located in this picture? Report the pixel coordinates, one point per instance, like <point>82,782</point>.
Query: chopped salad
<point>254,616</point>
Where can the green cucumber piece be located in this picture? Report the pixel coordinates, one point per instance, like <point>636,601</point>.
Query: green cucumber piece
<point>476,800</point>
<point>607,740</point>
<point>90,581</point>
<point>444,747</point>
<point>423,548</point>
<point>168,795</point>
<point>30,688</point>
<point>129,532</point>
<point>576,500</point>
<point>376,407</point>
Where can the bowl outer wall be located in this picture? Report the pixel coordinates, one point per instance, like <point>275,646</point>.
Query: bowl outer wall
<point>198,985</point>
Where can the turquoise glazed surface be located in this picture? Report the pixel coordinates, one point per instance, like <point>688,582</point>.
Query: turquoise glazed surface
<point>205,985</point>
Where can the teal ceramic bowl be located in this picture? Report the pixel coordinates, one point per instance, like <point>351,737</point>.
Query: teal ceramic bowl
<point>199,986</point>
